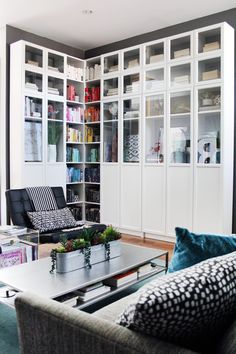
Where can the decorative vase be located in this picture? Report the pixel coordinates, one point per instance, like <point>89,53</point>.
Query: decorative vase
<point>52,153</point>
<point>69,261</point>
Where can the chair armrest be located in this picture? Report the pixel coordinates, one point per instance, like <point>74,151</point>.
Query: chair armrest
<point>46,326</point>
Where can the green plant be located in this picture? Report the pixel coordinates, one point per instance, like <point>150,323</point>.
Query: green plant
<point>88,238</point>
<point>110,234</point>
<point>54,132</point>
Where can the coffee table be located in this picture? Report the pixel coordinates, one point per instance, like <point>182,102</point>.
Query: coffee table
<point>36,278</point>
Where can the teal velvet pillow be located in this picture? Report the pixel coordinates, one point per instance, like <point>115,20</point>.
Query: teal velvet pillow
<point>191,248</point>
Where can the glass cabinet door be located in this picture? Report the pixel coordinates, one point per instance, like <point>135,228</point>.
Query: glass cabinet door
<point>55,140</point>
<point>131,84</point>
<point>131,134</point>
<point>110,87</point>
<point>209,126</point>
<point>55,63</point>
<point>33,129</point>
<point>111,63</point>
<point>154,129</point>
<point>209,69</point>
<point>180,127</point>
<point>180,75</point>
<point>110,131</point>
<point>131,59</point>
<point>180,47</point>
<point>154,53</point>
<point>154,79</point>
<point>33,56</point>
<point>209,40</point>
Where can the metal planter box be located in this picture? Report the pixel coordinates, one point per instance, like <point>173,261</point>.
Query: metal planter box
<point>67,262</point>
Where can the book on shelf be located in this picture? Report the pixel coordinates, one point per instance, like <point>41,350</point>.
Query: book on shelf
<point>211,46</point>
<point>208,108</point>
<point>53,68</point>
<point>211,74</point>
<point>92,292</point>
<point>156,58</point>
<point>181,53</point>
<point>32,62</point>
<point>121,279</point>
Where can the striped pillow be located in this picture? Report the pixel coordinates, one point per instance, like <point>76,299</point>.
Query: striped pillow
<point>52,219</point>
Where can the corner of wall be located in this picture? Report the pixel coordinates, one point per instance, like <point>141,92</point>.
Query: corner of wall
<point>2,124</point>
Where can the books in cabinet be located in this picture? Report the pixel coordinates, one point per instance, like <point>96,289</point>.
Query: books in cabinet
<point>93,291</point>
<point>33,141</point>
<point>122,279</point>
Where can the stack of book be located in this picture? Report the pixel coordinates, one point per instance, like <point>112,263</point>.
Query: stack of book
<point>156,58</point>
<point>92,291</point>
<point>113,68</point>
<point>134,87</point>
<point>53,68</point>
<point>53,91</point>
<point>32,62</point>
<point>132,63</point>
<point>211,74</point>
<point>181,53</point>
<point>31,86</point>
<point>211,46</point>
<point>112,91</point>
<point>122,279</point>
<point>181,80</point>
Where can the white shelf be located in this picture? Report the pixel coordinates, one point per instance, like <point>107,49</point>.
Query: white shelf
<point>69,183</point>
<point>74,163</point>
<point>93,142</point>
<point>94,183</point>
<point>75,102</point>
<point>74,143</point>
<point>98,122</point>
<point>94,102</point>
<point>74,123</point>
<point>92,203</point>
<point>92,163</point>
<point>74,203</point>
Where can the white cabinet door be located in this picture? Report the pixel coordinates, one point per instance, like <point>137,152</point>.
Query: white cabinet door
<point>208,203</point>
<point>110,194</point>
<point>153,202</point>
<point>179,198</point>
<point>130,209</point>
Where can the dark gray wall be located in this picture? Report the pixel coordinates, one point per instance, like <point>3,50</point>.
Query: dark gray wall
<point>227,16</point>
<point>15,34</point>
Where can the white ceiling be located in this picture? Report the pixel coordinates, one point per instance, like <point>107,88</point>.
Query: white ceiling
<point>112,20</point>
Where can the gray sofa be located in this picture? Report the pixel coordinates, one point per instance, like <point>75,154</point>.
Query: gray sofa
<point>48,327</point>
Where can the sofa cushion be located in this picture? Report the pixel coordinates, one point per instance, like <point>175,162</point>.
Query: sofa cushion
<point>111,311</point>
<point>52,219</point>
<point>188,306</point>
<point>191,248</point>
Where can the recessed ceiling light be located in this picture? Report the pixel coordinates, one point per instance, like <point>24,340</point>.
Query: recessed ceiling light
<point>87,12</point>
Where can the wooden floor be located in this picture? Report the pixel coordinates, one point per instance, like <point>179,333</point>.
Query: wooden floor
<point>134,240</point>
<point>45,249</point>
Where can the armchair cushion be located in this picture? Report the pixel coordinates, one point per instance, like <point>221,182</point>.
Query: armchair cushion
<point>52,219</point>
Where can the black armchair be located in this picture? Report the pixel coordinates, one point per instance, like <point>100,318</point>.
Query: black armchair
<point>19,203</point>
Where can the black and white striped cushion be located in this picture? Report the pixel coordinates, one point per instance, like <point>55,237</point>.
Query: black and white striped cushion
<point>42,198</point>
<point>52,219</point>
